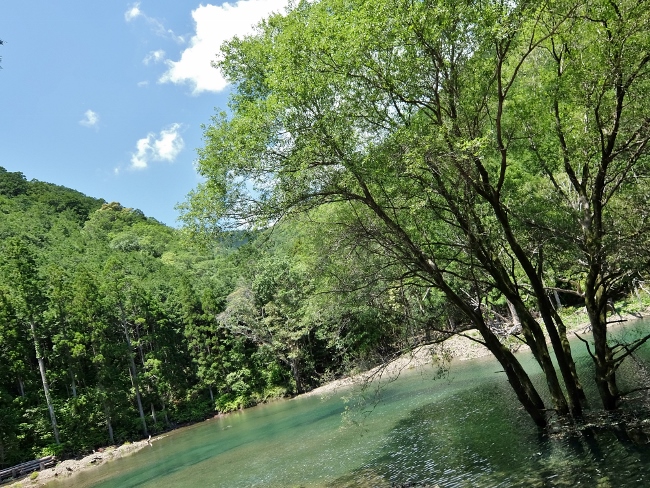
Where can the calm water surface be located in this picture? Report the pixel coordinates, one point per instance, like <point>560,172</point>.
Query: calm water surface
<point>465,430</point>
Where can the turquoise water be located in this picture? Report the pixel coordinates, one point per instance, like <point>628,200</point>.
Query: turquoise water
<point>465,429</point>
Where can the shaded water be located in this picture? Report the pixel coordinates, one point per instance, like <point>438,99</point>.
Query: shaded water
<point>464,430</point>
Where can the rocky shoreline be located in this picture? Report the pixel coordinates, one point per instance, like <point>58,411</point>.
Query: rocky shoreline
<point>69,467</point>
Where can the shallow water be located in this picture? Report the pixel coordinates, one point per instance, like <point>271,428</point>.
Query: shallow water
<point>460,431</point>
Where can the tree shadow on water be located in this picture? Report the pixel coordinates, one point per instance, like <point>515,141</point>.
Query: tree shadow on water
<point>480,438</point>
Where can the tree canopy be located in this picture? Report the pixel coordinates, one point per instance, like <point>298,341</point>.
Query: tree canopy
<point>474,148</point>
<point>114,326</point>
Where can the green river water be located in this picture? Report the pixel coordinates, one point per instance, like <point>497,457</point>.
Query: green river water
<point>464,430</point>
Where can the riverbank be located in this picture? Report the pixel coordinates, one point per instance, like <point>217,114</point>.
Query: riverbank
<point>457,348</point>
<point>67,468</point>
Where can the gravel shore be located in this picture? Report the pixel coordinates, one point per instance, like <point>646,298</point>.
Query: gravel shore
<point>457,348</point>
<point>65,469</point>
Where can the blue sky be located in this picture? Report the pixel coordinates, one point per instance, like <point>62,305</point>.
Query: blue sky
<point>108,97</point>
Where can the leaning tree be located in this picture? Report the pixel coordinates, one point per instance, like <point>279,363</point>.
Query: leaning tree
<point>465,139</point>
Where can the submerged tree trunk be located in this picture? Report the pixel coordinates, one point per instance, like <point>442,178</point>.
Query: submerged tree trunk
<point>596,304</point>
<point>517,377</point>
<point>562,351</point>
<point>540,350</point>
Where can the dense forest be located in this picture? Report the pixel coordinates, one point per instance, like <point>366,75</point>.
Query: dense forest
<point>114,326</point>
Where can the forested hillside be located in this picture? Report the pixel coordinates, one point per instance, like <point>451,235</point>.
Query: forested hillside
<point>113,326</point>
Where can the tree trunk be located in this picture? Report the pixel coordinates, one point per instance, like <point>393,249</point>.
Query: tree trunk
<point>21,387</point>
<point>134,375</point>
<point>562,351</point>
<point>516,322</point>
<point>73,385</point>
<point>46,388</point>
<point>164,411</point>
<point>295,371</point>
<point>517,377</point>
<point>596,305</point>
<point>541,353</point>
<point>109,424</point>
<point>134,383</point>
<point>566,346</point>
<point>558,303</point>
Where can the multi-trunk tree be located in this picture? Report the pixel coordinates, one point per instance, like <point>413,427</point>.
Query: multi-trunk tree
<point>471,142</point>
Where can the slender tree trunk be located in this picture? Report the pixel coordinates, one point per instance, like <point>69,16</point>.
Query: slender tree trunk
<point>295,371</point>
<point>544,359</point>
<point>533,333</point>
<point>46,387</point>
<point>516,322</point>
<point>211,394</point>
<point>558,303</point>
<point>164,411</point>
<point>73,385</point>
<point>517,377</point>
<point>134,374</point>
<point>566,346</point>
<point>562,351</point>
<point>134,382</point>
<point>596,305</point>
<point>21,387</point>
<point>109,423</point>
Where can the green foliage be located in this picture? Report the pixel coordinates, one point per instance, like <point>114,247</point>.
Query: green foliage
<point>389,173</point>
<point>12,184</point>
<point>51,450</point>
<point>471,149</point>
<point>117,300</point>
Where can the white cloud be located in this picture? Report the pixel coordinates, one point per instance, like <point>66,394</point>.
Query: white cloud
<point>90,119</point>
<point>162,147</point>
<point>158,27</point>
<point>142,84</point>
<point>154,57</point>
<point>214,25</point>
<point>133,12</point>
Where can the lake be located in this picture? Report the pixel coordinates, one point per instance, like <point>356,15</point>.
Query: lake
<point>462,430</point>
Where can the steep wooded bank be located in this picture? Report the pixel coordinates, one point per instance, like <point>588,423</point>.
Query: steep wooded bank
<point>112,326</point>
